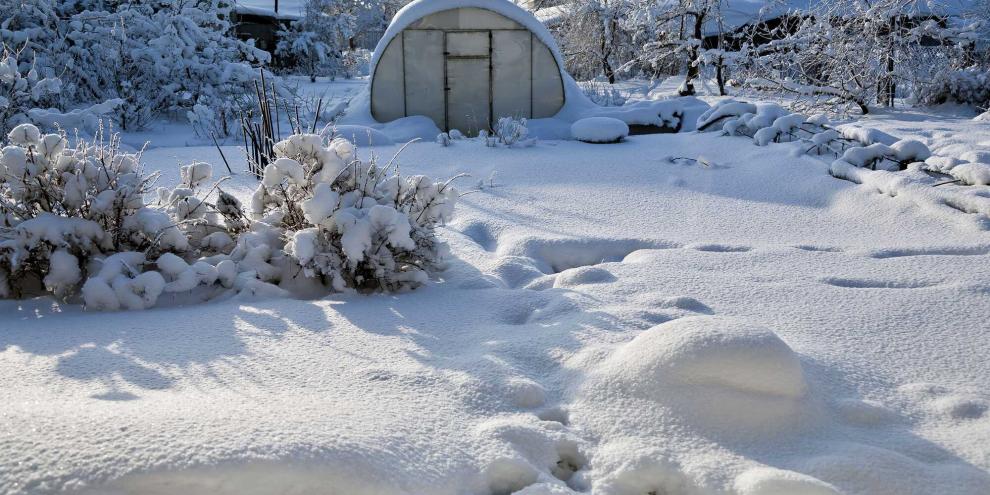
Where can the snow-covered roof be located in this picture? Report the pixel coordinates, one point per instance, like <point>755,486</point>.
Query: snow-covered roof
<point>287,9</point>
<point>421,8</point>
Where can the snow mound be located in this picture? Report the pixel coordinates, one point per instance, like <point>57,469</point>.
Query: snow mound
<point>525,393</point>
<point>863,412</point>
<point>983,117</point>
<point>599,130</point>
<point>362,135</point>
<point>708,350</point>
<point>649,472</point>
<point>771,481</point>
<point>583,275</point>
<point>974,174</point>
<point>414,127</point>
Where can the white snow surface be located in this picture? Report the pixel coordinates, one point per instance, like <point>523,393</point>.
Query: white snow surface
<point>611,322</point>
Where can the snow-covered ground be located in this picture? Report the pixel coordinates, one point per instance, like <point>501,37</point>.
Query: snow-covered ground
<point>611,321</point>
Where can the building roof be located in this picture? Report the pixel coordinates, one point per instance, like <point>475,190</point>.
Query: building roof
<point>287,9</point>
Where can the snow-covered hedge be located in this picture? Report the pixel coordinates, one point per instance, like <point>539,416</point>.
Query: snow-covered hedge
<point>75,223</point>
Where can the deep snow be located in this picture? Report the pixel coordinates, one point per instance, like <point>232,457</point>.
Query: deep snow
<point>612,320</point>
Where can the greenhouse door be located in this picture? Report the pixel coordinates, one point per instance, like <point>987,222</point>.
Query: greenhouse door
<point>467,79</point>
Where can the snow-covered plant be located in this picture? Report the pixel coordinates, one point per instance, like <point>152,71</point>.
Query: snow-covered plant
<point>602,94</point>
<point>512,132</point>
<point>966,86</point>
<point>62,206</point>
<point>74,221</point>
<point>21,91</point>
<point>348,223</point>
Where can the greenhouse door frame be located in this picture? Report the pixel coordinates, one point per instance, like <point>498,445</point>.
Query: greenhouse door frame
<point>448,56</point>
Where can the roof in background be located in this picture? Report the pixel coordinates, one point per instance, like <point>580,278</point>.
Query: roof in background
<point>286,8</point>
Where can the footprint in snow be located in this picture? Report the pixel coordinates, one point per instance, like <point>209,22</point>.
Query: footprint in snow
<point>867,283</point>
<point>720,248</point>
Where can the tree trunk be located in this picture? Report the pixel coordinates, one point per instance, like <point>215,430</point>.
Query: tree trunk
<point>607,69</point>
<point>886,86</point>
<point>694,65</point>
<point>720,76</point>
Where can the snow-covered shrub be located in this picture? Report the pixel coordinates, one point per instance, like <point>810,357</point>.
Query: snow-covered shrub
<point>74,220</point>
<point>967,86</point>
<point>512,132</point>
<point>62,207</point>
<point>357,62</point>
<point>21,91</point>
<point>345,222</point>
<point>724,109</point>
<point>965,172</point>
<point>603,94</point>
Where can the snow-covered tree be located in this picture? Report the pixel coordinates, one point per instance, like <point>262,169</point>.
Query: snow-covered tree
<point>852,53</point>
<point>21,91</point>
<point>672,35</point>
<point>172,57</point>
<point>592,38</point>
<point>317,42</point>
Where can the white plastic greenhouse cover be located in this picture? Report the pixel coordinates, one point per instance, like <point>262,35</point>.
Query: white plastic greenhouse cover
<point>466,63</point>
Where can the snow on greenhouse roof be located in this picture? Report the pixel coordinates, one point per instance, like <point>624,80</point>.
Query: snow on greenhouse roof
<point>418,9</point>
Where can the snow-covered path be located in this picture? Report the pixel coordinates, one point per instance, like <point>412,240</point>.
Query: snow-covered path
<point>606,312</point>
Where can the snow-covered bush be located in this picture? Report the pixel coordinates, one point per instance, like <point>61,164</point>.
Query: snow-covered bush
<point>21,91</point>
<point>74,221</point>
<point>603,94</point>
<point>512,132</point>
<point>967,86</point>
<point>348,223</point>
<point>64,207</point>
